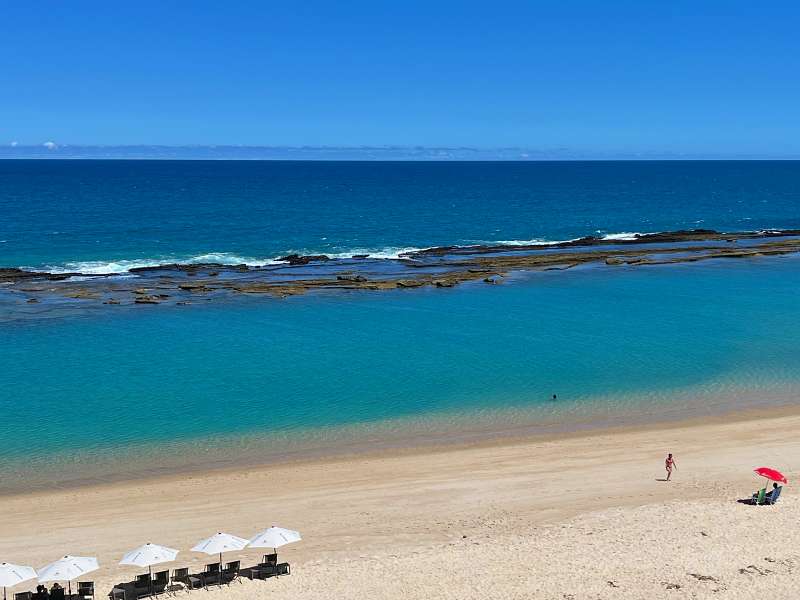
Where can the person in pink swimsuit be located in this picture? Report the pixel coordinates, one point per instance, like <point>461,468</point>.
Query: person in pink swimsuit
<point>669,464</point>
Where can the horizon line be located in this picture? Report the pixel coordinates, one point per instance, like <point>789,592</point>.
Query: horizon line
<point>389,152</point>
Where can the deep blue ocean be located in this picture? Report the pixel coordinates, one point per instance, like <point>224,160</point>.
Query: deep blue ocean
<point>114,214</point>
<point>249,374</point>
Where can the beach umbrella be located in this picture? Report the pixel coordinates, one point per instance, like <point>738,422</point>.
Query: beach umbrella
<point>67,569</point>
<point>274,538</point>
<point>219,543</point>
<point>13,574</point>
<point>771,474</point>
<point>148,555</point>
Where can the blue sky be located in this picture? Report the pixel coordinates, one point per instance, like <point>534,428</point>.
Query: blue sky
<point>596,76</point>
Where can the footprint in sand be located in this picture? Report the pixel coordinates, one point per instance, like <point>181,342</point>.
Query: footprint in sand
<point>671,586</point>
<point>754,570</point>
<point>704,577</point>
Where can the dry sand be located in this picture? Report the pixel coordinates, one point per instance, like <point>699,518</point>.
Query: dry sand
<point>569,517</point>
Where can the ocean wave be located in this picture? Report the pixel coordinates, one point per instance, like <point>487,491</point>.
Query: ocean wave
<point>624,236</point>
<point>113,267</point>
<point>533,242</point>
<point>389,253</point>
<point>123,266</point>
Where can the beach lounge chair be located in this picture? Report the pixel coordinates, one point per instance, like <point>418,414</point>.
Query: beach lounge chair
<point>269,560</point>
<point>160,581</point>
<point>212,575</point>
<point>773,496</point>
<point>273,567</point>
<point>57,593</point>
<point>190,581</point>
<point>142,585</point>
<point>231,572</point>
<point>86,589</point>
<point>117,593</point>
<point>23,596</point>
<point>266,568</point>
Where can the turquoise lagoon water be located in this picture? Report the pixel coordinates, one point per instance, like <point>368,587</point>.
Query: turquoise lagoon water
<point>79,389</point>
<point>100,392</point>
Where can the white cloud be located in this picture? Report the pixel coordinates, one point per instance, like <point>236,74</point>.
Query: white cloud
<point>50,145</point>
<point>14,144</point>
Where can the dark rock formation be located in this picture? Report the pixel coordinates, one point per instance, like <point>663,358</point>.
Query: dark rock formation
<point>441,268</point>
<point>297,259</point>
<point>195,286</point>
<point>409,283</point>
<point>351,277</point>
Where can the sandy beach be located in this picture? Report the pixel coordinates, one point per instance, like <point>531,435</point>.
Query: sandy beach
<point>571,516</point>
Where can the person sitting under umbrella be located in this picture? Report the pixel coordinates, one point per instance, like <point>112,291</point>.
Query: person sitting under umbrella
<point>764,497</point>
<point>56,592</point>
<point>773,493</point>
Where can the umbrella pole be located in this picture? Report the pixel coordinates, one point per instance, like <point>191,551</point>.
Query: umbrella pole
<point>150,570</point>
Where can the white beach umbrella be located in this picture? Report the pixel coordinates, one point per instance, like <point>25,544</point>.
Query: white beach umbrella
<point>13,574</point>
<point>274,538</point>
<point>148,555</point>
<point>219,543</point>
<point>67,569</point>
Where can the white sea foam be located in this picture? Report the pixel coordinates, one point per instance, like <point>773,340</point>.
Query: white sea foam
<point>533,242</point>
<point>389,253</point>
<point>624,236</point>
<point>123,266</point>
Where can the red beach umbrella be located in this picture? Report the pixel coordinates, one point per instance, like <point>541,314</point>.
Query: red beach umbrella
<point>771,474</point>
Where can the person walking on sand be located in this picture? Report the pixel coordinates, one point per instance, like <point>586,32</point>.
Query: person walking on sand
<point>669,464</point>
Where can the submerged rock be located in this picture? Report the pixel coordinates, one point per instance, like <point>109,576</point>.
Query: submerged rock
<point>198,286</point>
<point>352,277</point>
<point>14,274</point>
<point>409,283</point>
<point>82,295</point>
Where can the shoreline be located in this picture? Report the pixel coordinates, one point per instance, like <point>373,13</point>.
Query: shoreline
<point>410,443</point>
<point>436,508</point>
